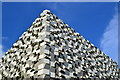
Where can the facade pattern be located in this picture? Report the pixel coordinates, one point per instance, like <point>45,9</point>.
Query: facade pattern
<point>51,49</point>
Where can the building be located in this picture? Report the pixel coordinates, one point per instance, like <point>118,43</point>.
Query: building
<point>51,49</point>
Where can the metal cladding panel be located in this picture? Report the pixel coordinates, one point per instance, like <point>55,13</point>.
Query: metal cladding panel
<point>51,49</point>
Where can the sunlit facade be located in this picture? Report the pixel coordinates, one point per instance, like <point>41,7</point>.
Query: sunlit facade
<point>51,49</point>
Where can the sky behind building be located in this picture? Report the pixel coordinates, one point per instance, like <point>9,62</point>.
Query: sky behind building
<point>94,21</point>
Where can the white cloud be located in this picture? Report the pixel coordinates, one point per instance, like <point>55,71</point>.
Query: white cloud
<point>109,40</point>
<point>1,51</point>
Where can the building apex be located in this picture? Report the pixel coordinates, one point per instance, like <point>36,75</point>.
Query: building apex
<point>45,12</point>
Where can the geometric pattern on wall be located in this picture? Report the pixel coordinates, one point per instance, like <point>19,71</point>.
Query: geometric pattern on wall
<point>51,49</point>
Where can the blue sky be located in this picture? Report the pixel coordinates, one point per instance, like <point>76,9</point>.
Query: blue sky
<point>91,20</point>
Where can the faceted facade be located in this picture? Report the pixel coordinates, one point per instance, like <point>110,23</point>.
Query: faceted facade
<point>51,49</point>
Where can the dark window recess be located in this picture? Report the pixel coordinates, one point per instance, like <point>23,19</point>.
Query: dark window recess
<point>77,46</point>
<point>58,43</point>
<point>47,42</point>
<point>60,55</point>
<point>56,57</point>
<point>3,59</point>
<point>6,67</point>
<point>48,45</point>
<point>64,58</point>
<point>28,39</point>
<point>50,49</point>
<point>11,72</point>
<point>62,71</point>
<point>77,39</point>
<point>35,72</point>
<point>41,41</point>
<point>33,44</point>
<point>92,67</point>
<point>66,69</point>
<point>86,45</point>
<point>85,73</point>
<point>69,62</point>
<point>84,68</point>
<point>32,77</point>
<point>16,46</point>
<point>41,28</point>
<point>68,39</point>
<point>56,17</point>
<point>92,47</point>
<point>34,62</point>
<point>57,31</point>
<point>38,30</point>
<point>8,52</point>
<point>71,49</point>
<point>107,57</point>
<point>47,57</point>
<point>35,54</point>
<point>58,38</point>
<point>17,61</point>
<point>51,38</point>
<point>53,26</point>
<point>36,35</point>
<point>80,58</point>
<point>92,52</point>
<point>9,62</point>
<point>48,12</point>
<point>60,64</point>
<point>14,74</point>
<point>52,33</point>
<point>56,64</point>
<point>37,21</point>
<point>28,68</point>
<point>55,39</point>
<point>47,54</point>
<point>74,74</point>
<point>66,42</point>
<point>47,19</point>
<point>63,50</point>
<point>22,41</point>
<point>21,53</point>
<point>68,51</point>
<point>35,26</point>
<point>19,73</point>
<point>29,31</point>
<point>18,69</point>
<point>74,41</point>
<point>38,55</point>
<point>74,54</point>
<point>63,76</point>
<point>60,31</point>
<point>32,70</point>
<point>22,47</point>
<point>62,27</point>
<point>76,66</point>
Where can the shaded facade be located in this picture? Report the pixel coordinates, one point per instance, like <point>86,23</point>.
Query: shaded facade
<point>51,49</point>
